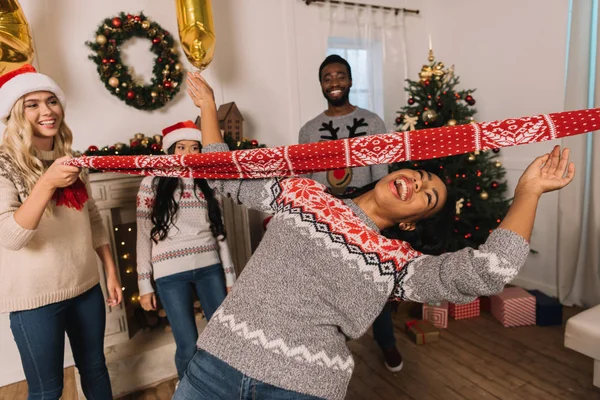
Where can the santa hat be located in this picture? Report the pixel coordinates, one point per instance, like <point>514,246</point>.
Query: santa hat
<point>18,83</point>
<point>186,130</point>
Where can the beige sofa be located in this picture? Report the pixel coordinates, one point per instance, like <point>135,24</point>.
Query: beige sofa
<point>582,334</point>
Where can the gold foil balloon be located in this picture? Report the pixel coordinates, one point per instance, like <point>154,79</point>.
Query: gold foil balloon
<point>16,46</point>
<point>196,31</point>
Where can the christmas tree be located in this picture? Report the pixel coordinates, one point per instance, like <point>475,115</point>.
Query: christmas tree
<point>476,179</point>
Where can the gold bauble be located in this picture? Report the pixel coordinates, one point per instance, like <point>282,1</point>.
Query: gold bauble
<point>145,142</point>
<point>145,24</point>
<point>124,84</point>
<point>476,152</point>
<point>153,94</point>
<point>117,90</point>
<point>101,40</point>
<point>178,67</point>
<point>152,32</point>
<point>429,116</point>
<point>113,82</point>
<point>451,122</point>
<point>471,157</point>
<point>139,136</point>
<point>157,138</point>
<point>119,146</point>
<point>498,164</point>
<point>196,31</point>
<point>16,46</point>
<point>484,195</point>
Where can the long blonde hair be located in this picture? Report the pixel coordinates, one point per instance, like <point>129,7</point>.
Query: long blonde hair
<point>18,144</point>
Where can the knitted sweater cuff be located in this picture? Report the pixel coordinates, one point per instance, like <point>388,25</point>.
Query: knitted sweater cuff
<point>145,286</point>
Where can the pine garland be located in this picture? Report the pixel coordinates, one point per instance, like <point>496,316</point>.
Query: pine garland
<point>116,76</point>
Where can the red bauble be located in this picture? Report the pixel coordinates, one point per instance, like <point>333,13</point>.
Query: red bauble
<point>448,181</point>
<point>496,150</point>
<point>254,142</point>
<point>159,59</point>
<point>398,120</point>
<point>495,185</point>
<point>156,40</point>
<point>112,61</point>
<point>134,143</point>
<point>104,61</point>
<point>440,104</point>
<point>93,149</point>
<point>478,188</point>
<point>129,16</point>
<point>167,84</point>
<point>469,204</point>
<point>137,18</point>
<point>156,147</point>
<point>112,148</point>
<point>411,101</point>
<point>130,95</point>
<point>116,22</point>
<point>426,83</point>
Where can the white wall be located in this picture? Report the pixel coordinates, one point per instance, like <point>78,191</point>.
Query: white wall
<point>512,52</point>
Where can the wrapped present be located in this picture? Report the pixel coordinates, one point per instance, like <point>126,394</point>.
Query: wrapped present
<point>485,303</point>
<point>548,310</point>
<point>436,313</point>
<point>514,307</point>
<point>463,311</point>
<point>422,332</point>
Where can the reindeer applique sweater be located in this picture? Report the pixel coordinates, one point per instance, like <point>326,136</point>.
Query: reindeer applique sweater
<point>360,122</point>
<point>322,274</point>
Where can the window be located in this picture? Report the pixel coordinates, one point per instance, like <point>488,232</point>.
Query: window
<point>366,61</point>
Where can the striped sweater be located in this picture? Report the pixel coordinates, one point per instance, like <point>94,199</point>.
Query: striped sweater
<point>189,244</point>
<point>321,275</point>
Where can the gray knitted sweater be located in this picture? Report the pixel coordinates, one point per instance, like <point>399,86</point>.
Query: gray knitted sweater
<point>360,122</point>
<point>321,275</point>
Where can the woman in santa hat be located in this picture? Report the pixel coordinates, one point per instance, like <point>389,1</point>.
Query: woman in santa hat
<point>50,234</point>
<point>181,245</point>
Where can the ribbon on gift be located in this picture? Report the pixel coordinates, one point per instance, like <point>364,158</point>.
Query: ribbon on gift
<point>415,324</point>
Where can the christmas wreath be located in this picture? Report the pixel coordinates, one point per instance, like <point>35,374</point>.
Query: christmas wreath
<point>167,71</point>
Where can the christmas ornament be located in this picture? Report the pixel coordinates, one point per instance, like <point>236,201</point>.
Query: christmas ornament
<point>429,116</point>
<point>92,149</point>
<point>254,142</point>
<point>451,122</point>
<point>494,185</point>
<point>471,157</point>
<point>470,100</point>
<point>496,150</point>
<point>196,31</point>
<point>155,147</point>
<point>411,101</point>
<point>16,46</point>
<point>459,205</point>
<point>477,188</point>
<point>119,146</point>
<point>101,40</point>
<point>498,164</point>
<point>398,120</point>
<point>113,73</point>
<point>484,195</point>
<point>409,123</point>
<point>359,151</point>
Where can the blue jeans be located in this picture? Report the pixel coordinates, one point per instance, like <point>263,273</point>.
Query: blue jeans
<point>383,328</point>
<point>40,337</point>
<point>176,295</point>
<point>209,378</point>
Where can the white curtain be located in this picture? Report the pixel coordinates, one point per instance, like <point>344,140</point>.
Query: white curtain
<point>579,204</point>
<point>373,42</point>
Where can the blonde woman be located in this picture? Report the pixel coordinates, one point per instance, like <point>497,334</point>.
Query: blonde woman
<point>50,233</point>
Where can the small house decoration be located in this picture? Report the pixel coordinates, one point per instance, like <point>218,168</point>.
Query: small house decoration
<point>230,121</point>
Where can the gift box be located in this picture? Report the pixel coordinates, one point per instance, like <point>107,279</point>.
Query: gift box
<point>514,307</point>
<point>485,303</point>
<point>436,313</point>
<point>462,311</point>
<point>548,310</point>
<point>422,332</point>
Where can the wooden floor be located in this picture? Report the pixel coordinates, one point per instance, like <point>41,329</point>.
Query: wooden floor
<point>475,359</point>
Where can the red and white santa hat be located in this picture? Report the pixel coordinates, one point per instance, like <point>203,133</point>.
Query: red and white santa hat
<point>186,130</point>
<point>18,83</point>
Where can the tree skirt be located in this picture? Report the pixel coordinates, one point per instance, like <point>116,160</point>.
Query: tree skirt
<point>356,152</point>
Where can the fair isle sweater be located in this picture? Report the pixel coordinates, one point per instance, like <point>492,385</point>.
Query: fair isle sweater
<point>52,263</point>
<point>321,275</point>
<point>189,244</point>
<point>359,122</point>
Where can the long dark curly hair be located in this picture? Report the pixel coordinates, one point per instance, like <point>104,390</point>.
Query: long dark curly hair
<point>165,207</point>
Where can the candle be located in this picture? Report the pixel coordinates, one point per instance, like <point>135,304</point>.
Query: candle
<point>430,46</point>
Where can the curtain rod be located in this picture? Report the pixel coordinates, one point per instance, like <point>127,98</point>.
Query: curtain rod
<point>347,3</point>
